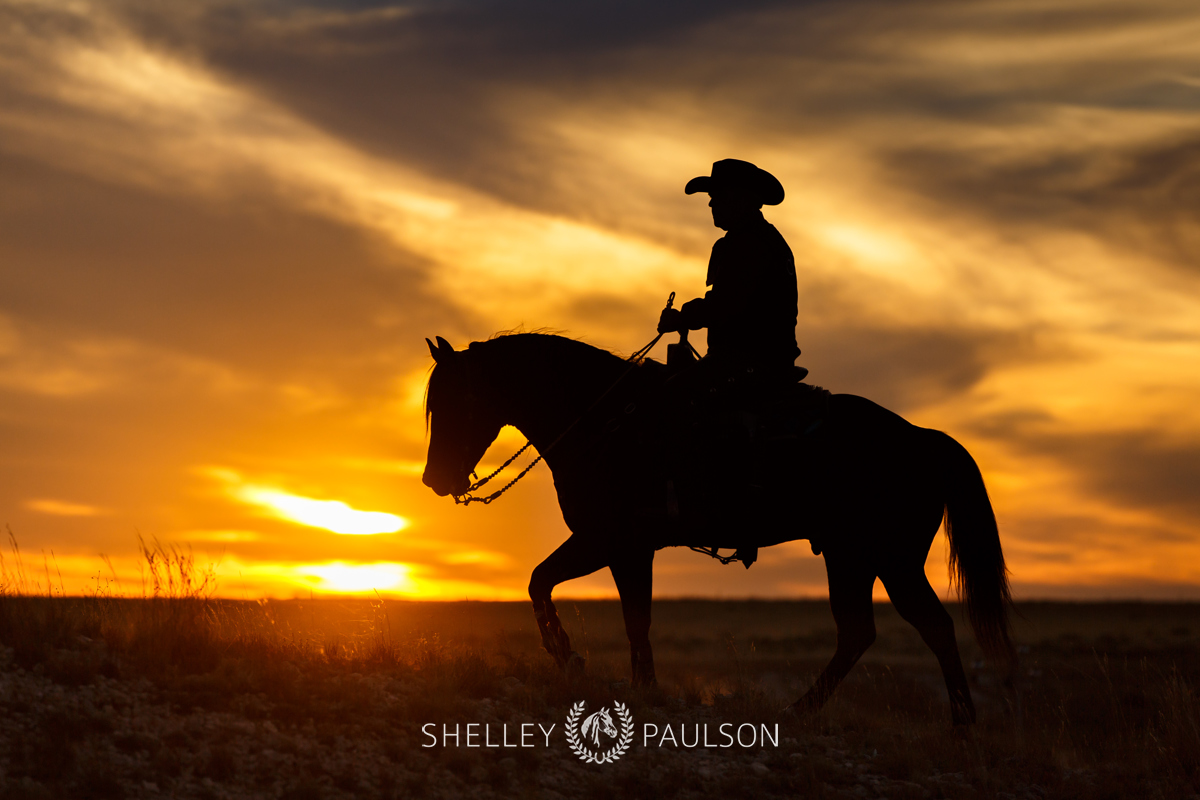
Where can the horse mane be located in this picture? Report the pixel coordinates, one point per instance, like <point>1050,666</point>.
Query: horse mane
<point>553,333</point>
<point>597,358</point>
<point>520,329</point>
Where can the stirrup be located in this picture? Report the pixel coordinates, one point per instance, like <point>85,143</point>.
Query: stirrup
<point>747,555</point>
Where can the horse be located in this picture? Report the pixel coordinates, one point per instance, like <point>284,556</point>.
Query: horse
<point>868,489</point>
<point>595,723</point>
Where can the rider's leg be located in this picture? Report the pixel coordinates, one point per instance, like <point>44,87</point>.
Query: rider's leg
<point>850,583</point>
<point>574,558</point>
<point>634,576</point>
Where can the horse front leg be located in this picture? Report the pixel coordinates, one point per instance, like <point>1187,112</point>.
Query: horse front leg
<point>634,576</point>
<point>574,558</point>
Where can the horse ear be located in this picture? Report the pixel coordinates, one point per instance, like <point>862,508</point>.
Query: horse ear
<point>441,351</point>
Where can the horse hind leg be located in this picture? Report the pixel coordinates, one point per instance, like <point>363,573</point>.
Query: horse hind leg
<point>850,584</point>
<point>574,558</point>
<point>916,601</point>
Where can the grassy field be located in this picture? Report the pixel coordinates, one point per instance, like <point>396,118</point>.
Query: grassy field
<point>179,695</point>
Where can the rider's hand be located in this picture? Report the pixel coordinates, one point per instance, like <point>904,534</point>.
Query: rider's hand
<point>692,314</point>
<point>670,321</point>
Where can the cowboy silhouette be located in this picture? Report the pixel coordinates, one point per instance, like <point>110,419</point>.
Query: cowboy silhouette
<point>750,311</point>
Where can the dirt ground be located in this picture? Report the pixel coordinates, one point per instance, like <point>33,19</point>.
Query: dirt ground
<point>192,698</point>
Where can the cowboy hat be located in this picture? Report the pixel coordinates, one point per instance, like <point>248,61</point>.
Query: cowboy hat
<point>731,176</point>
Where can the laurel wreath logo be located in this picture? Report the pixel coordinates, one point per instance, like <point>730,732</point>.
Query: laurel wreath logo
<point>611,754</point>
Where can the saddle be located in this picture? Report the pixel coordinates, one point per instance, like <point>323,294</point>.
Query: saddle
<point>724,443</point>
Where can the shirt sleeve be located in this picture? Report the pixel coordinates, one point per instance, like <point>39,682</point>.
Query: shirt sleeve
<point>696,313</point>
<point>699,313</point>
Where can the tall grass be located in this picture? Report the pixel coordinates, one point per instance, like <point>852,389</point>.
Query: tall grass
<point>173,624</point>
<point>177,627</point>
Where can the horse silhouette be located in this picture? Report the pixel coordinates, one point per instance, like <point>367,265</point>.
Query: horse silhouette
<point>872,488</point>
<point>595,723</point>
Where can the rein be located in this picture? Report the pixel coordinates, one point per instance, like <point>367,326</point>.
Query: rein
<point>713,552</point>
<point>466,498</point>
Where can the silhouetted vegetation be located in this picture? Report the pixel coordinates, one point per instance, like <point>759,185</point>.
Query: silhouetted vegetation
<point>180,694</point>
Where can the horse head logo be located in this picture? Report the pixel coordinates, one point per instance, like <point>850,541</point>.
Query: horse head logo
<point>597,723</point>
<point>584,738</point>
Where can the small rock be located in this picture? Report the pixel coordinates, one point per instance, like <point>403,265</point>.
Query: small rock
<point>759,768</point>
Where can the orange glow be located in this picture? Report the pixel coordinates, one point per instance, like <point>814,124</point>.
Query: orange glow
<point>344,578</point>
<point>63,509</point>
<point>332,515</point>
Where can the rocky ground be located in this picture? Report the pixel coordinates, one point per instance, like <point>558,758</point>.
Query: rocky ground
<point>114,738</point>
<point>82,719</point>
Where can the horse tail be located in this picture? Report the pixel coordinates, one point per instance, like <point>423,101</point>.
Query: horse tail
<point>977,570</point>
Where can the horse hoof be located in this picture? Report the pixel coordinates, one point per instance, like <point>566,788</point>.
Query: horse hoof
<point>575,665</point>
<point>962,711</point>
<point>962,721</point>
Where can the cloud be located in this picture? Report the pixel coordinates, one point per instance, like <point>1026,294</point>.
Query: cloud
<point>1135,468</point>
<point>903,368</point>
<point>63,508</point>
<point>66,364</point>
<point>200,135</point>
<point>1143,197</point>
<point>227,227</point>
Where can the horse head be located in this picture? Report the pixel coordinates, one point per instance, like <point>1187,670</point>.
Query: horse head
<point>609,728</point>
<point>462,424</point>
<point>592,726</point>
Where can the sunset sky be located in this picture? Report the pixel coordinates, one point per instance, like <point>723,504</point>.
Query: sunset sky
<point>227,227</point>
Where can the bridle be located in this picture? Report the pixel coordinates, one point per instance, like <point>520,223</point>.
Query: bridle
<point>466,498</point>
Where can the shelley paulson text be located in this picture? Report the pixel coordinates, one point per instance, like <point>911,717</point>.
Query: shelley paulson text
<point>528,734</point>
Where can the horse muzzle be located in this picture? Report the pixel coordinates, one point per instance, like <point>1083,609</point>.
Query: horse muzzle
<point>442,485</point>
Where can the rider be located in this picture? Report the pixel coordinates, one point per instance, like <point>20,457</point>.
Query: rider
<point>751,309</point>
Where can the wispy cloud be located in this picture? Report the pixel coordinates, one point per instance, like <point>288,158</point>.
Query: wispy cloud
<point>63,508</point>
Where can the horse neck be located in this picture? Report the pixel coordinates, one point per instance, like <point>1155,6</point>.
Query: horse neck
<point>543,384</point>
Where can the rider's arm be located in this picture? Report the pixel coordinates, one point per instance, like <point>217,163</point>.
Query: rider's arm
<point>699,313</point>
<point>695,314</point>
